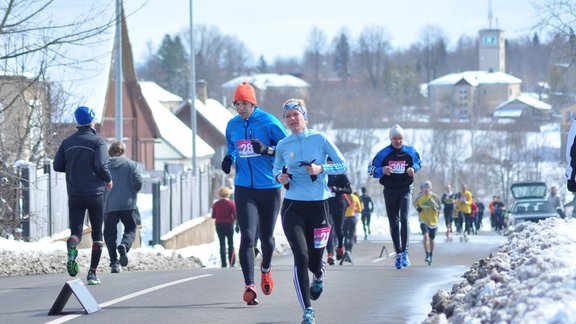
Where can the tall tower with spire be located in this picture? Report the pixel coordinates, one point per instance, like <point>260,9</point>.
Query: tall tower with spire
<point>491,47</point>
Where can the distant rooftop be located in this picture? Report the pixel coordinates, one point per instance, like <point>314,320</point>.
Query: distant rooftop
<point>263,81</point>
<point>476,78</point>
<point>174,132</point>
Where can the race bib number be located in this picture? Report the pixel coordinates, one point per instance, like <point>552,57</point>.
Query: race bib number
<point>398,167</point>
<point>245,149</point>
<point>321,236</point>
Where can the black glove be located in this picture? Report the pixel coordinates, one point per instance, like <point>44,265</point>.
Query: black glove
<point>237,228</point>
<point>285,171</point>
<point>226,164</point>
<point>571,185</point>
<point>306,163</point>
<point>419,209</point>
<point>259,147</point>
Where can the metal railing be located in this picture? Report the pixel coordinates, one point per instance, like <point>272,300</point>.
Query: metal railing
<point>42,200</point>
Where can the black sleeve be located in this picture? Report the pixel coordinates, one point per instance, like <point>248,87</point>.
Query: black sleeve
<point>59,163</point>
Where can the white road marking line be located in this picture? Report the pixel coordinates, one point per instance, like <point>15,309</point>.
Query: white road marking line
<point>382,259</point>
<point>130,296</point>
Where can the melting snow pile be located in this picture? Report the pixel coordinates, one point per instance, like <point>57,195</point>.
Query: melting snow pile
<point>530,279</point>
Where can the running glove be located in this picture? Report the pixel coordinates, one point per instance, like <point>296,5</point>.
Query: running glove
<point>226,164</point>
<point>259,147</point>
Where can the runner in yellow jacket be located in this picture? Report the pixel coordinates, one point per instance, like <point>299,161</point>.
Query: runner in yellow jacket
<point>428,206</point>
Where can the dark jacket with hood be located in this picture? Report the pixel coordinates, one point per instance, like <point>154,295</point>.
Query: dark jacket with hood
<point>84,158</point>
<point>127,183</point>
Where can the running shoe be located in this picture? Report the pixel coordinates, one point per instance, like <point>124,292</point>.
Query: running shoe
<point>316,289</point>
<point>398,261</point>
<point>339,253</point>
<point>72,265</point>
<point>123,257</point>
<point>405,259</point>
<point>92,278</point>
<point>318,284</point>
<point>430,260</point>
<point>330,259</point>
<point>250,295</point>
<point>115,267</point>
<point>308,317</point>
<point>267,283</point>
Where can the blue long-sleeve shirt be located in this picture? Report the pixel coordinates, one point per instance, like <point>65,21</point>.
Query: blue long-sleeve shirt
<point>399,160</point>
<point>307,146</point>
<point>253,170</point>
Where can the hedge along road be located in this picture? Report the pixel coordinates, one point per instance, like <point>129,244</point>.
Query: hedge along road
<point>370,291</point>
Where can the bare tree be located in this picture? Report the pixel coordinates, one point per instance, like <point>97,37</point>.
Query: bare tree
<point>218,57</point>
<point>432,45</point>
<point>373,47</point>
<point>558,19</point>
<point>315,49</point>
<point>33,46</point>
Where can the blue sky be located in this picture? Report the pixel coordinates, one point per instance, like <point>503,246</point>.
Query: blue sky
<point>280,28</point>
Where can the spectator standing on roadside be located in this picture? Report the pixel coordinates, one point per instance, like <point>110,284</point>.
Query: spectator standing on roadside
<point>83,156</point>
<point>224,215</point>
<point>121,204</point>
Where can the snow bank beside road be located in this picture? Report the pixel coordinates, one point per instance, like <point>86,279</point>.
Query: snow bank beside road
<point>530,279</point>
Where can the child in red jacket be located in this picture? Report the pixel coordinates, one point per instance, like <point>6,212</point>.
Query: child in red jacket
<point>224,213</point>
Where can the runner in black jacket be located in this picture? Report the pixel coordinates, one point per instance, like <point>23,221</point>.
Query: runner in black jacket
<point>83,156</point>
<point>339,184</point>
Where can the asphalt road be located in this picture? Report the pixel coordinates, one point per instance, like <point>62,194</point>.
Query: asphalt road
<point>370,291</point>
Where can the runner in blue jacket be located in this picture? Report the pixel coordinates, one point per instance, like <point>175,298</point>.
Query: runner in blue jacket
<point>301,166</point>
<point>395,166</point>
<point>251,138</point>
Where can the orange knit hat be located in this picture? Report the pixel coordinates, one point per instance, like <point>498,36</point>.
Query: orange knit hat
<point>245,92</point>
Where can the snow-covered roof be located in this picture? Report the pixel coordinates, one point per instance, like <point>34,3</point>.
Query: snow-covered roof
<point>159,93</point>
<point>534,102</point>
<point>214,112</point>
<point>476,78</point>
<point>508,113</point>
<point>528,100</point>
<point>264,80</point>
<point>172,130</point>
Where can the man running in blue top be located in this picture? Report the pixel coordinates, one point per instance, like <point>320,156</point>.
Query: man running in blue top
<point>251,137</point>
<point>395,166</point>
<point>301,166</point>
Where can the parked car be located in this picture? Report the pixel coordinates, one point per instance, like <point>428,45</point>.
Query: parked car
<point>530,203</point>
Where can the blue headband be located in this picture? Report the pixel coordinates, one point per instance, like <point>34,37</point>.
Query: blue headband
<point>296,105</point>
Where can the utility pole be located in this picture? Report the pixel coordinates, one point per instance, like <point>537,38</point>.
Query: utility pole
<point>118,72</point>
<point>192,92</point>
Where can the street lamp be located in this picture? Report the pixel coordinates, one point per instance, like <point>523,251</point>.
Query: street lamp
<point>192,92</point>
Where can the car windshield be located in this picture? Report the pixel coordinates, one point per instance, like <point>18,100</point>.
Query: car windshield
<point>533,207</point>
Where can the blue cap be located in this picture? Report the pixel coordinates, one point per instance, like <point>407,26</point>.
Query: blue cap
<point>84,115</point>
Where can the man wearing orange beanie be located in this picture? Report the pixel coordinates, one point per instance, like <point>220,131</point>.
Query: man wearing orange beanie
<point>251,138</point>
